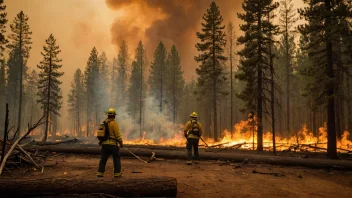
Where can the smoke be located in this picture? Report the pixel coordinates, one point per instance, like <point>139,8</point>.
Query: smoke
<point>172,22</point>
<point>154,123</point>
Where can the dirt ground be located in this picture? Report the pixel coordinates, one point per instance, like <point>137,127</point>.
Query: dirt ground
<point>208,178</point>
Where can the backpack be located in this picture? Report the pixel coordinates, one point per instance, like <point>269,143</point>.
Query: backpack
<point>194,127</point>
<point>103,133</point>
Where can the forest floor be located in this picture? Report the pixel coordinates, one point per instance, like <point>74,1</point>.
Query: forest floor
<point>206,179</point>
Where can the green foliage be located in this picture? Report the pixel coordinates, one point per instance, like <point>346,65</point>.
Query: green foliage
<point>122,64</point>
<point>211,59</point>
<point>314,44</point>
<point>49,83</point>
<point>92,85</point>
<point>158,75</point>
<point>104,83</point>
<point>3,40</point>
<point>20,35</point>
<point>175,82</point>
<point>76,99</point>
<point>137,88</point>
<point>255,60</point>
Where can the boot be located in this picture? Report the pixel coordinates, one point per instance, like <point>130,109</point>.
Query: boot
<point>189,162</point>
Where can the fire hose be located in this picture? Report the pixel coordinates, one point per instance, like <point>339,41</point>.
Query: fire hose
<point>135,155</point>
<point>203,141</point>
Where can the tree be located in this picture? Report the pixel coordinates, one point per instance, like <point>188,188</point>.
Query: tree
<point>287,20</point>
<point>20,40</point>
<point>2,90</point>
<point>91,81</point>
<point>114,85</point>
<point>176,81</point>
<point>30,95</point>
<point>3,21</point>
<point>325,18</point>
<point>122,62</point>
<point>255,62</point>
<point>231,37</point>
<point>272,30</point>
<point>3,40</point>
<point>49,83</point>
<point>137,89</point>
<point>158,75</point>
<point>76,100</point>
<point>211,45</point>
<point>104,83</point>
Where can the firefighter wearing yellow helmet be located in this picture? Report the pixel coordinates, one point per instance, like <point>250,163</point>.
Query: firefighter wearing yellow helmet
<point>109,144</point>
<point>192,131</point>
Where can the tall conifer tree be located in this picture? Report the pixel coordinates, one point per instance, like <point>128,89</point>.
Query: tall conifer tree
<point>49,83</point>
<point>211,46</point>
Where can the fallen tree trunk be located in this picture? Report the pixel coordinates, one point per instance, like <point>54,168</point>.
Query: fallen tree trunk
<point>122,187</point>
<point>176,154</point>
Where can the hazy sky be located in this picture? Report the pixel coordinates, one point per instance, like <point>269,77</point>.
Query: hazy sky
<point>78,25</point>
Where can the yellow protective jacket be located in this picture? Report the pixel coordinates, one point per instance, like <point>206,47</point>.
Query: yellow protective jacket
<point>188,127</point>
<point>114,132</point>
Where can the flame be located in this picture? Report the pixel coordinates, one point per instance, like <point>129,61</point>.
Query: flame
<point>244,136</point>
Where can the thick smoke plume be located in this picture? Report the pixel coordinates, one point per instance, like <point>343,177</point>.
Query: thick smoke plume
<point>172,22</point>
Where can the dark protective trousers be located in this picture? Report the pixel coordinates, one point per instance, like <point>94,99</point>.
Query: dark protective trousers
<point>106,151</point>
<point>192,143</point>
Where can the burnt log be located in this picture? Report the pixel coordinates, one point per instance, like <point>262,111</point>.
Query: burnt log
<point>181,154</point>
<point>121,187</point>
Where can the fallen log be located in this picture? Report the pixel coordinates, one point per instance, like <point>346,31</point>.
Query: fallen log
<point>176,154</point>
<point>41,143</point>
<point>121,187</point>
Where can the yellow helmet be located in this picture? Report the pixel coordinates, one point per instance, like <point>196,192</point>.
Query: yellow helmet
<point>111,111</point>
<point>194,115</point>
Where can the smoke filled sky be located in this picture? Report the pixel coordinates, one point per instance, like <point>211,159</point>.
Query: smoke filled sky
<point>79,25</point>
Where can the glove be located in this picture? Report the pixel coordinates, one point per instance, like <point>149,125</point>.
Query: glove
<point>121,145</point>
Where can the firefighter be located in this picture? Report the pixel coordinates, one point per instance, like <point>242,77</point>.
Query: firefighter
<point>192,131</point>
<point>110,147</point>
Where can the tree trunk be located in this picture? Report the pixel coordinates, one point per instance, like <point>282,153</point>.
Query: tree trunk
<point>349,110</point>
<point>332,153</point>
<point>5,134</point>
<point>287,77</point>
<point>122,187</point>
<point>272,102</point>
<point>21,80</point>
<point>47,113</point>
<point>260,95</point>
<point>231,87</point>
<point>215,120</point>
<point>204,155</point>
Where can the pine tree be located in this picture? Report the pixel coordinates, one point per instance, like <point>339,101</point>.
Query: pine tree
<point>176,82</point>
<point>49,83</point>
<point>158,75</point>
<point>2,92</point>
<point>114,85</point>
<point>20,41</point>
<point>3,40</point>
<point>30,96</point>
<point>230,39</point>
<point>122,62</point>
<point>137,89</point>
<point>287,20</point>
<point>76,100</point>
<point>91,85</point>
<point>104,83</point>
<point>255,63</point>
<point>325,20</point>
<point>212,43</point>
